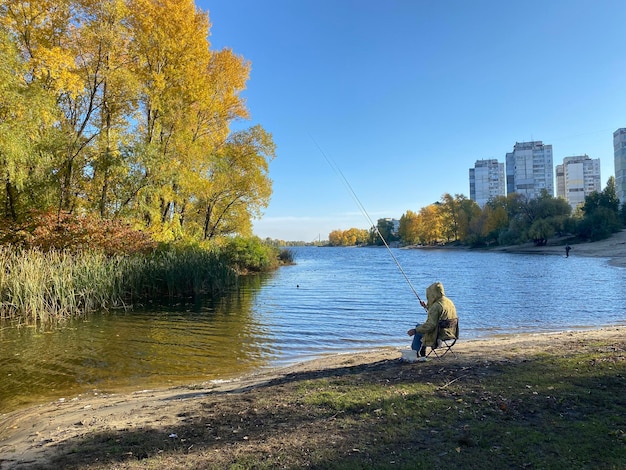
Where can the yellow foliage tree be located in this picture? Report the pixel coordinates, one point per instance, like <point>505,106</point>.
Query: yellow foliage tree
<point>409,228</point>
<point>430,224</point>
<point>335,238</point>
<point>350,237</point>
<point>140,127</point>
<point>239,187</point>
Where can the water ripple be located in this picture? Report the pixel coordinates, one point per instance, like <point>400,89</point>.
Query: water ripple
<point>332,300</point>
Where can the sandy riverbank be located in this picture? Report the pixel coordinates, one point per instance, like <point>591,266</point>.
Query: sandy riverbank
<point>613,248</point>
<point>31,436</point>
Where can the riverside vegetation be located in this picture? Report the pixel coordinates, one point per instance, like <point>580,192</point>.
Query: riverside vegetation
<point>47,277</point>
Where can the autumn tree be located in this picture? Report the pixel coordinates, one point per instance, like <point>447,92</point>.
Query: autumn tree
<point>106,59</point>
<point>456,212</point>
<point>335,237</point>
<point>39,69</point>
<point>496,218</point>
<point>238,188</point>
<point>431,224</point>
<point>409,228</point>
<point>189,96</point>
<point>355,237</point>
<point>120,108</point>
<point>468,211</point>
<point>350,237</point>
<point>25,112</point>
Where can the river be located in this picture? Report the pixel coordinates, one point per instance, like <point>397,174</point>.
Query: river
<point>332,300</point>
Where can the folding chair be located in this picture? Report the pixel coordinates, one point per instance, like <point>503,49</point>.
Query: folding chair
<point>445,342</point>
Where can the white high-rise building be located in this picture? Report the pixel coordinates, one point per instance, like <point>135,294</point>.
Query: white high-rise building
<point>619,155</point>
<point>486,181</point>
<point>576,178</point>
<point>529,169</point>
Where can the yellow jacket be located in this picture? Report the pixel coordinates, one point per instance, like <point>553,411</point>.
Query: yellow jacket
<point>439,308</point>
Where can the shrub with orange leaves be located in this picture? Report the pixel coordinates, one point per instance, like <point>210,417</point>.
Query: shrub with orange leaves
<point>50,230</point>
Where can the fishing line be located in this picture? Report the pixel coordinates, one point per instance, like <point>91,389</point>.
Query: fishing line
<point>364,212</point>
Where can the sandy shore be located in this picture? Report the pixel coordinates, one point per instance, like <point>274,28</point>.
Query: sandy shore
<point>30,436</point>
<point>613,248</point>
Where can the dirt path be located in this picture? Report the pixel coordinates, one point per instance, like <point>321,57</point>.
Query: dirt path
<point>30,436</point>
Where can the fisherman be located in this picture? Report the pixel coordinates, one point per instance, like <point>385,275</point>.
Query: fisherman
<point>439,308</point>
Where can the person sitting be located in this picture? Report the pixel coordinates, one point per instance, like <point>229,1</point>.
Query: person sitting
<point>439,308</point>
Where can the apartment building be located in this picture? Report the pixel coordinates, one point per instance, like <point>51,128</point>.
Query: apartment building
<point>529,169</point>
<point>487,180</point>
<point>578,177</point>
<point>619,155</point>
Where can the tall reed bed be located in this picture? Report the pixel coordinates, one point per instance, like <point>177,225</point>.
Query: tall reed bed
<point>44,287</point>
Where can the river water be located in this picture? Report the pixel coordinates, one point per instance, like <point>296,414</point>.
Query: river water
<point>332,300</point>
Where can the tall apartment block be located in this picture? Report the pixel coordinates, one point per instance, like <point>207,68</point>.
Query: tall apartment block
<point>529,169</point>
<point>576,178</point>
<point>619,155</point>
<point>486,181</point>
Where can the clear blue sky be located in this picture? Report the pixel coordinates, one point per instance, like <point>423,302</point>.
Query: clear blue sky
<point>403,96</point>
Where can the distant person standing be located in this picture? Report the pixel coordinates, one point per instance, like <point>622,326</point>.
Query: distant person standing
<point>567,248</point>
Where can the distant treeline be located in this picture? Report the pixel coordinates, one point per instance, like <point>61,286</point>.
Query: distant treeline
<point>508,220</point>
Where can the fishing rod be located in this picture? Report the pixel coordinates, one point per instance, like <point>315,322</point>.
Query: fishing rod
<point>364,212</point>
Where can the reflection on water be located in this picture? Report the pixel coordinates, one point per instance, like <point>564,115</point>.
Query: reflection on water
<point>131,350</point>
<point>332,300</point>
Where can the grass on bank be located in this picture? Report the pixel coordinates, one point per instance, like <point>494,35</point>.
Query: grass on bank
<point>542,412</point>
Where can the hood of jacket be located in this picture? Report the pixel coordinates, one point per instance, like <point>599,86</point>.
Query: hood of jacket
<point>434,292</point>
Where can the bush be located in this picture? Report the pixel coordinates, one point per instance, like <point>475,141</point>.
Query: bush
<point>51,231</point>
<point>286,256</point>
<point>599,225</point>
<point>250,254</point>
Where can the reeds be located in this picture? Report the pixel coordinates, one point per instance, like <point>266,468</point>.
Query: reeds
<point>40,288</point>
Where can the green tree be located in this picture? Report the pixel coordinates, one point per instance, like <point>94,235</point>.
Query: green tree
<point>607,198</point>
<point>540,231</point>
<point>601,215</point>
<point>599,225</point>
<point>385,229</point>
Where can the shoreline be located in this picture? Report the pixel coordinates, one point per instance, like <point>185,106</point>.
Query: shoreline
<point>612,248</point>
<point>31,436</point>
